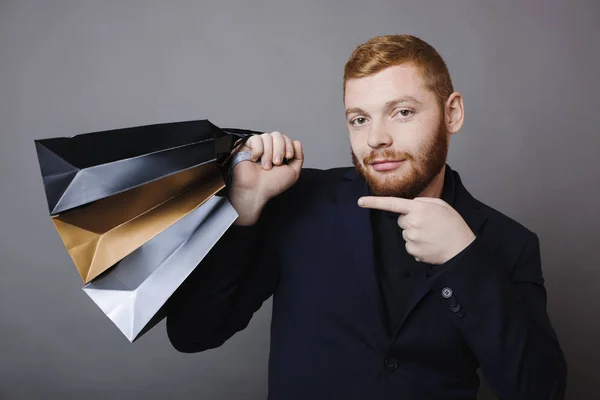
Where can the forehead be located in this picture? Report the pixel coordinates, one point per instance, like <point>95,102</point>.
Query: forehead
<point>388,84</point>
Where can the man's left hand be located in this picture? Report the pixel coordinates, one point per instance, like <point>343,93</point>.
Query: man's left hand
<point>434,232</point>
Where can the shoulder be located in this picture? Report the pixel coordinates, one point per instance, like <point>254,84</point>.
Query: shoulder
<point>314,188</point>
<point>316,183</point>
<point>312,177</point>
<point>506,236</point>
<point>308,197</point>
<point>502,221</point>
<point>501,233</point>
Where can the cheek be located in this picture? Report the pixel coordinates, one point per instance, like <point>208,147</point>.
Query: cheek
<point>408,137</point>
<point>358,144</point>
<point>414,137</point>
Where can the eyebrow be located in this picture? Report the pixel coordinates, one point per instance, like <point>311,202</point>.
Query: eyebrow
<point>390,104</point>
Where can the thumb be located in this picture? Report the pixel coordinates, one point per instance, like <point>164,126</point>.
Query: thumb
<point>298,160</point>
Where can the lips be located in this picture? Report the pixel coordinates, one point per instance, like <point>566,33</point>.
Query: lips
<point>386,165</point>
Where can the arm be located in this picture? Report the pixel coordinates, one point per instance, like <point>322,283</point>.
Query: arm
<point>504,320</point>
<point>220,297</point>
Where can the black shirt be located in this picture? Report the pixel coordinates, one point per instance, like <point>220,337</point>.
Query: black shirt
<point>394,266</point>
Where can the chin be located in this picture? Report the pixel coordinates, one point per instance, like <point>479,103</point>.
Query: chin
<point>387,179</point>
<point>390,183</point>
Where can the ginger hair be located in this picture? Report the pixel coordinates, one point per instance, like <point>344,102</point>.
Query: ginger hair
<point>382,52</point>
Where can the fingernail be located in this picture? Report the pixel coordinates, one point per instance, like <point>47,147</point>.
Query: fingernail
<point>267,165</point>
<point>361,202</point>
<point>277,159</point>
<point>288,155</point>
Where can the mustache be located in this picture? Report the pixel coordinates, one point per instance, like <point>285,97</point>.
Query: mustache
<point>386,154</point>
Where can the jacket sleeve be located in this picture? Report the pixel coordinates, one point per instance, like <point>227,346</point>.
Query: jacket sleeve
<point>502,314</point>
<point>222,294</point>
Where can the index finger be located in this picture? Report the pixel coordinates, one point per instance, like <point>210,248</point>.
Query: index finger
<point>255,145</point>
<point>393,204</point>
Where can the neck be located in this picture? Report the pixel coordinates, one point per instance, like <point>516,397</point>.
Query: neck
<point>436,186</point>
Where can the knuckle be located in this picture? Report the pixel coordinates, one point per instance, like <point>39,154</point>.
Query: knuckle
<point>267,142</point>
<point>255,145</point>
<point>413,222</point>
<point>267,139</point>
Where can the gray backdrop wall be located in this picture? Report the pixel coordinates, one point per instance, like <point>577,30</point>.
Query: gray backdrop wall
<point>528,72</point>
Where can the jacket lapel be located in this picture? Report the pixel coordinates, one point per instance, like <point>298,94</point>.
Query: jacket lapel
<point>356,223</point>
<point>469,208</point>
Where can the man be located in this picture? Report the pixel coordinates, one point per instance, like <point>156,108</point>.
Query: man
<point>389,280</point>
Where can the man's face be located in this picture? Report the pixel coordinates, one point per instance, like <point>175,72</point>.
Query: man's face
<point>397,132</point>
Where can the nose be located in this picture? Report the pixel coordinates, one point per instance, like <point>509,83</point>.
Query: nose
<point>379,137</point>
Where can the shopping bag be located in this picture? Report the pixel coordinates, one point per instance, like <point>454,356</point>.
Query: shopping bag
<point>87,167</point>
<point>138,209</point>
<point>132,292</point>
<point>100,234</point>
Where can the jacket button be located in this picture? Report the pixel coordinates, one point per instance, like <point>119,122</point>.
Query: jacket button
<point>446,292</point>
<point>391,363</point>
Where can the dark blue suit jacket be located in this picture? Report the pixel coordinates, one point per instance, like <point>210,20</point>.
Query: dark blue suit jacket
<point>312,250</point>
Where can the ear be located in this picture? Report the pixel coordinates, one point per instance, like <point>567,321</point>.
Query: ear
<point>454,113</point>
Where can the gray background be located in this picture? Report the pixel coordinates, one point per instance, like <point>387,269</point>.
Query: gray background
<point>528,72</point>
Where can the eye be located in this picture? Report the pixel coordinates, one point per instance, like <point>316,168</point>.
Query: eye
<point>405,112</point>
<point>358,121</point>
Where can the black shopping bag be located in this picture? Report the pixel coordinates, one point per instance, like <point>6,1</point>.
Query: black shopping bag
<point>84,168</point>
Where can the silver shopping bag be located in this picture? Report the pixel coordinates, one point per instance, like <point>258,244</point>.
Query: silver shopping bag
<point>133,291</point>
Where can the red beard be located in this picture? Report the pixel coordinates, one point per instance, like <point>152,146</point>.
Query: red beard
<point>424,167</point>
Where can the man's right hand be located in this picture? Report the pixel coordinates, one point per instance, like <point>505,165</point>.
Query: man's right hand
<point>253,184</point>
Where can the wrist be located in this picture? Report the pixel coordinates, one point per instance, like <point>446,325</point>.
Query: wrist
<point>467,241</point>
<point>249,206</point>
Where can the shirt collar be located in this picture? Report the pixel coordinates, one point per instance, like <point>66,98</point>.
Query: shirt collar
<point>449,189</point>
